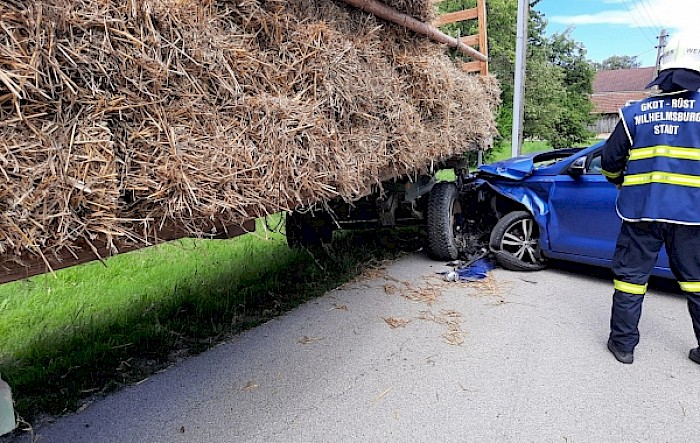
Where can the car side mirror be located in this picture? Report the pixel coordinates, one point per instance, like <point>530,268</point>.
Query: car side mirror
<point>578,167</point>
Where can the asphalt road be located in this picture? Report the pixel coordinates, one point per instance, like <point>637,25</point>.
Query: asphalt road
<point>402,356</point>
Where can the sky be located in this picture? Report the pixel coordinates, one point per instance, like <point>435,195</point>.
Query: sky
<point>620,27</point>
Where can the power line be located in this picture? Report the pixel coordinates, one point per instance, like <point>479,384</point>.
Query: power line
<point>644,14</point>
<point>653,22</point>
<point>624,2</point>
<point>639,25</point>
<point>645,52</point>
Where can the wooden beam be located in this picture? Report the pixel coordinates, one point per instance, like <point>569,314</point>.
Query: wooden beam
<point>454,17</point>
<point>471,40</point>
<point>14,268</point>
<point>475,66</point>
<point>384,12</point>
<point>483,34</point>
<point>480,39</point>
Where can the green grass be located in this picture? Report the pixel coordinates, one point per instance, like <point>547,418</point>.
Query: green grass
<point>503,150</point>
<point>93,328</point>
<point>445,175</point>
<point>499,152</point>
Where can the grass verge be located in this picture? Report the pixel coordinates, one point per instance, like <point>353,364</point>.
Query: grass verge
<point>93,328</point>
<point>502,151</point>
<point>499,152</point>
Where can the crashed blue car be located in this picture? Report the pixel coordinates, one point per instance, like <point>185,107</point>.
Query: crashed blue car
<point>550,205</point>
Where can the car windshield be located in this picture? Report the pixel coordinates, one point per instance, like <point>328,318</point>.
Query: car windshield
<point>550,158</point>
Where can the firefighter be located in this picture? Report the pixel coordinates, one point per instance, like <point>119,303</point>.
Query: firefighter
<point>653,157</point>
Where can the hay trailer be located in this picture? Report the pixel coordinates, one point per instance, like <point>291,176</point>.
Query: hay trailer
<point>408,200</point>
<point>418,200</point>
<point>96,161</point>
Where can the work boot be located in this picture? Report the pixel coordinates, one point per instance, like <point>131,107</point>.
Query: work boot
<point>695,355</point>
<point>628,357</point>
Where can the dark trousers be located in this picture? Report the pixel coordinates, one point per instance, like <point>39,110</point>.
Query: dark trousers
<point>637,249</point>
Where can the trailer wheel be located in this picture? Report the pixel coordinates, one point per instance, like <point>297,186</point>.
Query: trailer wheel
<point>307,229</point>
<point>444,222</point>
<point>515,242</point>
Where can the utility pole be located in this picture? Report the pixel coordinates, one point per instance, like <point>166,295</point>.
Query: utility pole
<point>519,93</point>
<point>660,50</point>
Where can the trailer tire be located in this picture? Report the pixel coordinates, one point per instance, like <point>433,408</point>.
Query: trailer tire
<point>444,217</point>
<point>308,230</point>
<point>515,242</point>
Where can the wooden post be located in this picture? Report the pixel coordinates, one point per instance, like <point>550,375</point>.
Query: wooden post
<point>384,12</point>
<point>480,39</point>
<point>483,34</point>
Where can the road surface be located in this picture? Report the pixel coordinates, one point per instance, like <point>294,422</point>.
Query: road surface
<point>402,356</point>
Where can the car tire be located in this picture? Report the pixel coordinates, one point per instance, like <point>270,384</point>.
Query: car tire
<point>308,230</point>
<point>444,215</point>
<point>515,242</point>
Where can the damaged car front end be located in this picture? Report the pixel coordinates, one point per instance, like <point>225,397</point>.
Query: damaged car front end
<point>550,205</point>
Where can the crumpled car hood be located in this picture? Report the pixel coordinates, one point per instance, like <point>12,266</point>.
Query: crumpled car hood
<point>515,168</point>
<point>533,195</point>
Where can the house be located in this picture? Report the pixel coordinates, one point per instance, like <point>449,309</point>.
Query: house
<point>614,89</point>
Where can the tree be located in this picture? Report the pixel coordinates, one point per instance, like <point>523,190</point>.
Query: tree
<point>571,125</point>
<point>558,77</point>
<point>558,84</point>
<point>618,62</point>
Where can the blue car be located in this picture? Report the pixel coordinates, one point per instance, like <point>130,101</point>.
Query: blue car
<point>550,205</point>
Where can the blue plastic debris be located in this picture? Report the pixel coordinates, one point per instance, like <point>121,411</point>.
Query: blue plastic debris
<point>475,271</point>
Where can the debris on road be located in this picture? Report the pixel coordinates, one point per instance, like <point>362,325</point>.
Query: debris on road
<point>309,340</point>
<point>450,318</point>
<point>396,322</point>
<point>474,271</point>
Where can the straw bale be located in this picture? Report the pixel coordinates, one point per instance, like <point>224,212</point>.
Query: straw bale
<point>420,9</point>
<point>118,116</point>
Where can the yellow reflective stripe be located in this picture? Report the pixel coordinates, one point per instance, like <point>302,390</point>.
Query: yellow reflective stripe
<point>630,288</point>
<point>665,151</point>
<point>690,286</point>
<point>611,174</point>
<point>668,178</point>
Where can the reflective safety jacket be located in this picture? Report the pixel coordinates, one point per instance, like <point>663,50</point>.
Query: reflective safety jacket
<point>661,180</point>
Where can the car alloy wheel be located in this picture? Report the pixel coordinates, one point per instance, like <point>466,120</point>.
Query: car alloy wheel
<point>515,242</point>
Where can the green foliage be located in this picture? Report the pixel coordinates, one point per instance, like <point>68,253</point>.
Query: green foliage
<point>544,90</point>
<point>562,87</point>
<point>618,62</point>
<point>571,128</point>
<point>567,54</point>
<point>559,77</point>
<point>459,29</point>
<point>502,150</point>
<point>559,83</point>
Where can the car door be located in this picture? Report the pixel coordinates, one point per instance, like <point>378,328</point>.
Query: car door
<point>582,219</point>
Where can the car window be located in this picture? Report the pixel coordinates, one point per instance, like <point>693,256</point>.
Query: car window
<point>594,167</point>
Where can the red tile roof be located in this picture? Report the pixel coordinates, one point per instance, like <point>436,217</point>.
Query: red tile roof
<point>611,102</point>
<point>622,80</point>
<point>613,89</point>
